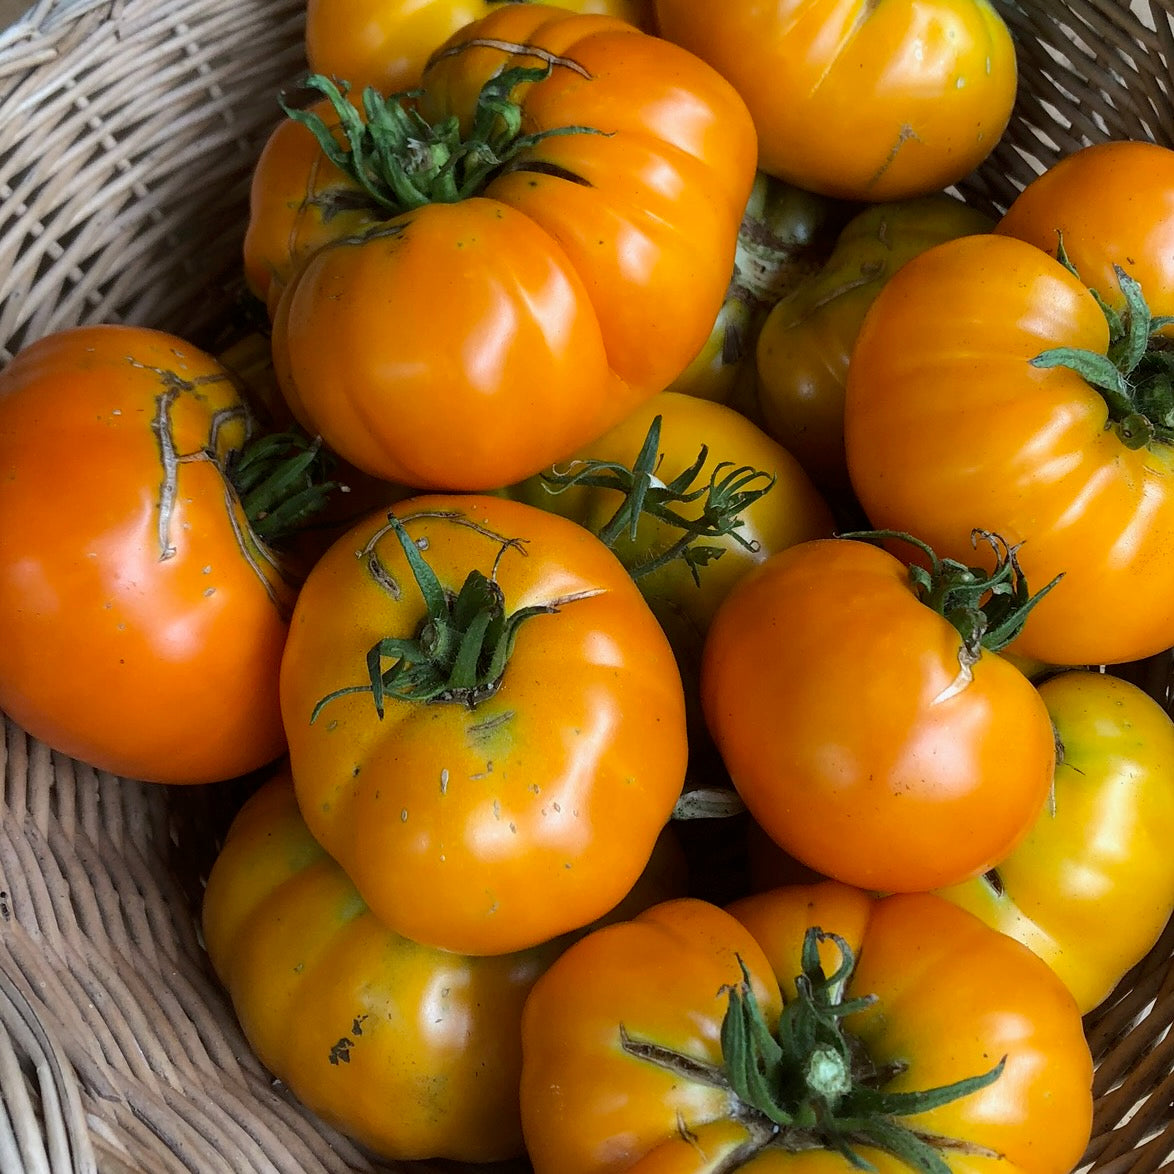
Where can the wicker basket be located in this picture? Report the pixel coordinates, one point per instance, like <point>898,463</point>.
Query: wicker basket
<point>128,129</point>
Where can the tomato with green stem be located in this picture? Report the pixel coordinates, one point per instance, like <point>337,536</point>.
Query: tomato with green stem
<point>1055,434</point>
<point>472,689</point>
<point>866,718</point>
<point>558,180</point>
<point>1091,887</point>
<point>805,1030</point>
<point>352,1017</point>
<point>142,514</point>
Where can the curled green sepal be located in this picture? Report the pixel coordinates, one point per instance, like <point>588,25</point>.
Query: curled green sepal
<point>282,480</point>
<point>724,496</point>
<point>810,1084</point>
<point>987,608</point>
<point>460,650</point>
<point>402,161</point>
<point>1136,374</point>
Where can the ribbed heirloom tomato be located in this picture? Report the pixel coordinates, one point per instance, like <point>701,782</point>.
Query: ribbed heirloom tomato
<point>143,617</point>
<point>807,1030</point>
<point>559,181</point>
<point>866,719</point>
<point>1056,432</point>
<point>411,1050</point>
<point>858,99</point>
<point>486,723</point>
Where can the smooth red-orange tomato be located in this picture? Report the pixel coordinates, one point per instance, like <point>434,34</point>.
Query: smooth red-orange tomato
<point>857,99</point>
<point>466,342</point>
<point>387,43</point>
<point>510,804</point>
<point>837,701</point>
<point>143,621</point>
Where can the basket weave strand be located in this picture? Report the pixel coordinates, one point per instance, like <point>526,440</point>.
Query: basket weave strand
<point>128,130</point>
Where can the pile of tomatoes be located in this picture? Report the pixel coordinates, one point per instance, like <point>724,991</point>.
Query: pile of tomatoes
<point>642,442</point>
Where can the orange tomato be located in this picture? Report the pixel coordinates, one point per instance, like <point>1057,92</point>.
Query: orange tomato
<point>143,620</point>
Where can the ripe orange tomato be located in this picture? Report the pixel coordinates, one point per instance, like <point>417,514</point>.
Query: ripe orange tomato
<point>1030,450</point>
<point>143,620</point>
<point>682,1042</point>
<point>858,741</point>
<point>857,99</point>
<point>466,728</point>
<point>387,43</point>
<point>508,305</point>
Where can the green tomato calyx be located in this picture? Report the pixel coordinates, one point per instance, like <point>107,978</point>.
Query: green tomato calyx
<point>1136,374</point>
<point>283,482</point>
<point>987,608</point>
<point>400,160</point>
<point>460,650</point>
<point>809,1084</point>
<point>727,492</point>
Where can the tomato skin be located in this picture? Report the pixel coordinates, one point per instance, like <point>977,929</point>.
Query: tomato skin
<point>806,341</point>
<point>501,812</point>
<point>1113,204</point>
<point>1091,888</point>
<point>1018,450</point>
<point>387,43</point>
<point>859,100</point>
<point>826,686</point>
<point>428,349</point>
<point>127,548</point>
<point>298,201</point>
<point>354,1018</point>
<point>589,1108</point>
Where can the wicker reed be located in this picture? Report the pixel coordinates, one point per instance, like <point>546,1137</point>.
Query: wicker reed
<point>128,129</point>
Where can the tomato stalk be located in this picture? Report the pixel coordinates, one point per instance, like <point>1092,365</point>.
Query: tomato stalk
<point>1136,375</point>
<point>728,491</point>
<point>987,608</point>
<point>460,650</point>
<point>810,1084</point>
<point>281,481</point>
<point>402,161</point>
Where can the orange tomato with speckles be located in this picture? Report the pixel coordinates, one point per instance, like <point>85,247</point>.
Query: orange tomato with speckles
<point>521,797</point>
<point>143,621</point>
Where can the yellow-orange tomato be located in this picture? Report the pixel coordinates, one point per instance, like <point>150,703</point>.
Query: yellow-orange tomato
<point>413,1051</point>
<point>1091,888</point>
<point>143,621</point>
<point>387,43</point>
<point>509,785</point>
<point>481,331</point>
<point>838,702</point>
<point>857,99</point>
